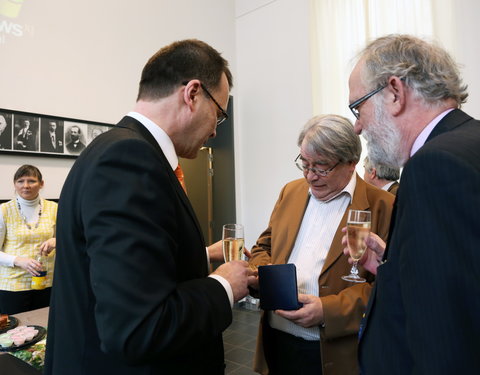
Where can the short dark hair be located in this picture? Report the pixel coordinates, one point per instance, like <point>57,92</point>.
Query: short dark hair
<point>27,170</point>
<point>179,62</point>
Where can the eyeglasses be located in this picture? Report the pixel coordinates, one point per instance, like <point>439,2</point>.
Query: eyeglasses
<point>316,171</point>
<point>357,103</point>
<point>223,115</point>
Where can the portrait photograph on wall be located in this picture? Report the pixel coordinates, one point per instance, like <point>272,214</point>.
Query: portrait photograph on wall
<point>51,135</point>
<point>25,133</point>
<point>5,131</point>
<point>31,133</point>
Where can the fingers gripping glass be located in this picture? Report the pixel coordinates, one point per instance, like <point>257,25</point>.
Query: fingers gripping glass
<point>317,171</point>
<point>223,115</point>
<point>357,103</point>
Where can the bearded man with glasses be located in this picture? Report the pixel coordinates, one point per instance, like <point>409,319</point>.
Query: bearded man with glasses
<point>306,229</point>
<point>423,314</point>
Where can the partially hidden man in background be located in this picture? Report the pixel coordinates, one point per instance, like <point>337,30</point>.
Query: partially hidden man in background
<point>132,294</point>
<point>381,176</point>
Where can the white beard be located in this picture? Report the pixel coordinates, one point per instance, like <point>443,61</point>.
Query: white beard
<point>384,139</point>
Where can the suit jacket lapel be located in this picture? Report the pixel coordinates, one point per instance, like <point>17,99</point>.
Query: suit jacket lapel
<point>452,120</point>
<point>295,214</point>
<point>359,202</point>
<point>136,126</point>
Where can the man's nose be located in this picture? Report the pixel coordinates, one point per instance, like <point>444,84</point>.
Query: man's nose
<point>310,175</point>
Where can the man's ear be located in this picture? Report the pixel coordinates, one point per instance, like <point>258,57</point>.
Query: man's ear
<point>191,91</point>
<point>396,96</point>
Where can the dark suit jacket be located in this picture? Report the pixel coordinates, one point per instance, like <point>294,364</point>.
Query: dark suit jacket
<point>343,302</point>
<point>423,316</point>
<point>130,293</point>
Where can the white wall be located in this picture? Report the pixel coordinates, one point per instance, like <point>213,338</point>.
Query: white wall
<point>273,102</point>
<point>83,59</point>
<point>466,50</point>
<point>461,40</point>
<point>274,91</point>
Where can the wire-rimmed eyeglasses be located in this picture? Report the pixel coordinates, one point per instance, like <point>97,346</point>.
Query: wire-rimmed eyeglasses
<point>357,103</point>
<point>223,114</point>
<point>316,171</point>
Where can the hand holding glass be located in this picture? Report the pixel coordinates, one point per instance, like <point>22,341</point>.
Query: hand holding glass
<point>358,229</point>
<point>233,242</point>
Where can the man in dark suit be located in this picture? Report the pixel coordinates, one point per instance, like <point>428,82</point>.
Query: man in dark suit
<point>422,317</point>
<point>132,294</point>
<point>382,176</point>
<point>51,141</point>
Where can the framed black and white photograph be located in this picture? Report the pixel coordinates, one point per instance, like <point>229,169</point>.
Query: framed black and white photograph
<point>51,135</point>
<point>25,133</point>
<point>5,131</point>
<point>32,133</point>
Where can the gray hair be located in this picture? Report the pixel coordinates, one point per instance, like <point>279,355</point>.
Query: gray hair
<point>384,172</point>
<point>333,137</point>
<point>425,67</point>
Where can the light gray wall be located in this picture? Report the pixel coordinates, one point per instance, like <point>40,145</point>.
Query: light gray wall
<point>466,49</point>
<point>83,60</point>
<point>274,91</point>
<point>273,102</point>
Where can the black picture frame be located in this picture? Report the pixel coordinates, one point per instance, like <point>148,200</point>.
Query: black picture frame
<point>44,135</point>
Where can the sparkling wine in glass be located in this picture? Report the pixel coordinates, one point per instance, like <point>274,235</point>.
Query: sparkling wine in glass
<point>233,242</point>
<point>358,229</point>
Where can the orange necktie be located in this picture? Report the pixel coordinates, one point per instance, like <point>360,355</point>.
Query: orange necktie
<point>181,177</point>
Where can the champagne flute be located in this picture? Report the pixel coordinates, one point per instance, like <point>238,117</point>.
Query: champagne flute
<point>233,242</point>
<point>358,229</point>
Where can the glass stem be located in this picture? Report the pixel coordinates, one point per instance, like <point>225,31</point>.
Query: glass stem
<point>354,270</point>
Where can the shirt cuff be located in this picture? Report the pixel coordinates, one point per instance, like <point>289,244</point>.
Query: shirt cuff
<point>7,259</point>
<point>226,286</point>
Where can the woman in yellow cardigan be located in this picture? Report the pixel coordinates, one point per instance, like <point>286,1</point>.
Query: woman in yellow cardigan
<point>27,231</point>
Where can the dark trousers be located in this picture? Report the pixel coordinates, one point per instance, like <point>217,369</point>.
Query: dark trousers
<point>17,302</point>
<point>287,354</point>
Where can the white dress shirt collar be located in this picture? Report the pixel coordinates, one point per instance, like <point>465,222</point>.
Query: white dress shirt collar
<point>160,136</point>
<point>387,186</point>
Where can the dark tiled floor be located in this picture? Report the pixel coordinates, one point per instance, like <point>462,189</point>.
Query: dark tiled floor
<point>239,341</point>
